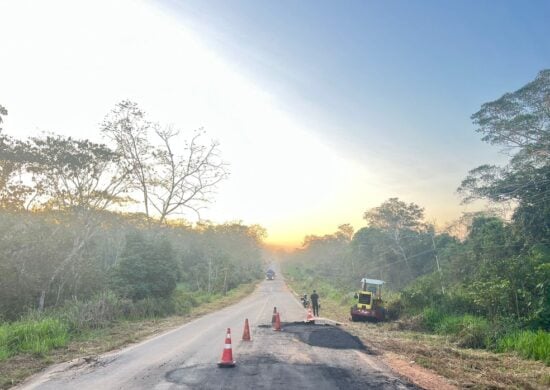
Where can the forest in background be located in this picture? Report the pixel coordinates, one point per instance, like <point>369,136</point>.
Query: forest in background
<point>72,255</point>
<point>485,277</point>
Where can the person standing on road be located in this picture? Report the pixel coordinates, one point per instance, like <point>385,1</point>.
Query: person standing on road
<point>315,303</point>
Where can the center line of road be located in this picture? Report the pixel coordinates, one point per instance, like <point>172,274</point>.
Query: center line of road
<point>261,310</point>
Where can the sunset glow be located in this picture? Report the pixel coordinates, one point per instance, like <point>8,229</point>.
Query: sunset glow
<point>286,174</point>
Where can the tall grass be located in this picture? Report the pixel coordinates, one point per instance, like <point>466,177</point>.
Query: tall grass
<point>527,343</point>
<point>467,330</point>
<point>476,332</point>
<point>40,332</point>
<point>4,352</point>
<point>37,337</point>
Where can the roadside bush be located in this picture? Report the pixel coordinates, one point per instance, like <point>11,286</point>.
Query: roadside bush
<point>394,308</point>
<point>146,269</point>
<point>473,332</point>
<point>37,337</point>
<point>458,301</point>
<point>431,318</point>
<point>183,302</point>
<point>98,312</point>
<point>448,324</point>
<point>152,308</point>
<point>423,292</point>
<point>527,343</point>
<point>467,330</point>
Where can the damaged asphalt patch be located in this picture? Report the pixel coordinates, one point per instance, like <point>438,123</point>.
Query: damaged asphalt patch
<point>265,372</point>
<point>325,336</point>
<point>302,356</point>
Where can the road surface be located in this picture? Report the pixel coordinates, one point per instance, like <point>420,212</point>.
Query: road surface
<point>300,357</point>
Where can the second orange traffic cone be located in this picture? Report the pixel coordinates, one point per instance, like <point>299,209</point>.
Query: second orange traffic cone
<point>277,324</point>
<point>227,355</point>
<point>309,318</point>
<point>246,332</point>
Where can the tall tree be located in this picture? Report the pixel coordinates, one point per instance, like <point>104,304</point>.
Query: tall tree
<point>398,219</point>
<point>184,181</point>
<point>520,123</point>
<point>170,180</point>
<point>127,127</point>
<point>13,191</point>
<point>519,120</point>
<point>71,173</point>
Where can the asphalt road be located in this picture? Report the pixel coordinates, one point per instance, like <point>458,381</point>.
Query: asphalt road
<point>300,357</point>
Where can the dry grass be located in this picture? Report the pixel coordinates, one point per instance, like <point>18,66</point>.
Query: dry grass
<point>465,368</point>
<point>16,369</point>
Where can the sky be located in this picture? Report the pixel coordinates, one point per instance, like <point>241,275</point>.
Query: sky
<point>322,109</point>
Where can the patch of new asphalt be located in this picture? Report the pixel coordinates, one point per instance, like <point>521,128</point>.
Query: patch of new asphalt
<point>301,356</point>
<point>325,336</point>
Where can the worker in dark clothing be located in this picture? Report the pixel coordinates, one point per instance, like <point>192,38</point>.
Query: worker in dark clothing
<point>315,303</point>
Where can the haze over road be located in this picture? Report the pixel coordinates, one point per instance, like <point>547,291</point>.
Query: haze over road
<point>299,357</point>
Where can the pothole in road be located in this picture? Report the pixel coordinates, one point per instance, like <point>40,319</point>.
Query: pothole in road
<point>325,336</point>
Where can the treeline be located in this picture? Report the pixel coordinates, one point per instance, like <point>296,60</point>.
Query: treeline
<point>67,238</point>
<point>49,259</point>
<point>490,272</point>
<point>486,265</point>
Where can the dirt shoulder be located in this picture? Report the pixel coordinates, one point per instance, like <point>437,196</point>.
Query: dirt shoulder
<point>90,344</point>
<point>435,362</point>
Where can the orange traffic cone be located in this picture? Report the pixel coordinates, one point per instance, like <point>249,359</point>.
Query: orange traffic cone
<point>227,355</point>
<point>246,332</point>
<point>309,318</point>
<point>274,316</point>
<point>277,325</point>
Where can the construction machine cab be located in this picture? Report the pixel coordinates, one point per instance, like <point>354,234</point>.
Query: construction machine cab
<point>373,286</point>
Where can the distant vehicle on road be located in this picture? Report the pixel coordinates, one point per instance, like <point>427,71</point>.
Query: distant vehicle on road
<point>270,274</point>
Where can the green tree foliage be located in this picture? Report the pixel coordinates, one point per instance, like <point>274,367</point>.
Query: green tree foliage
<point>513,258</point>
<point>489,273</point>
<point>402,223</point>
<point>396,246</point>
<point>520,119</point>
<point>45,258</point>
<point>396,216</point>
<point>520,123</point>
<point>50,257</point>
<point>71,173</point>
<point>13,192</point>
<point>147,269</point>
<point>60,239</point>
<point>228,254</point>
